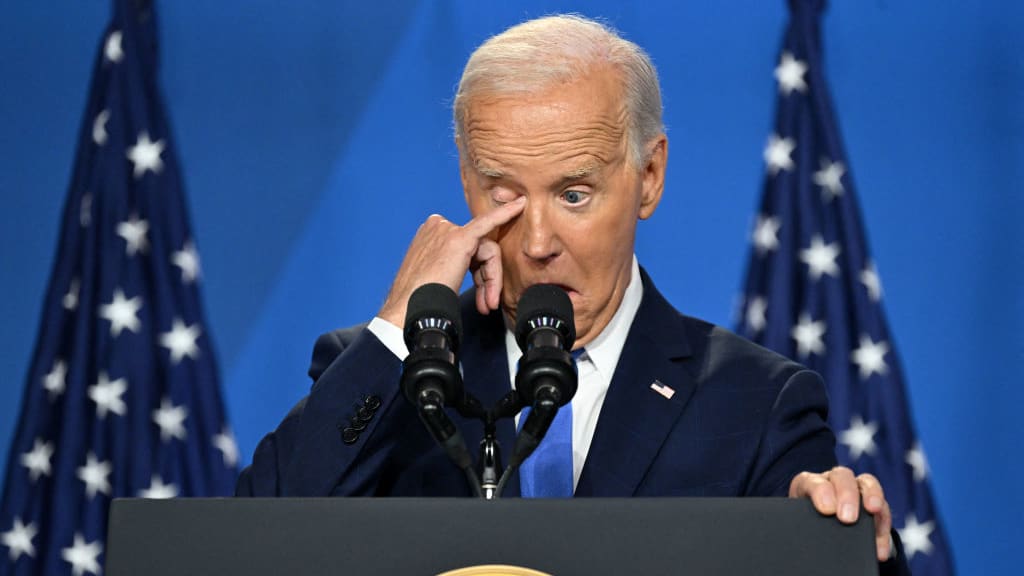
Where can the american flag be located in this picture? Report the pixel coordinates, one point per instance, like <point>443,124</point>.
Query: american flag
<point>122,397</point>
<point>813,293</point>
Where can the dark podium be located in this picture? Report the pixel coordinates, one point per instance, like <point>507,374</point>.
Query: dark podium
<point>707,536</point>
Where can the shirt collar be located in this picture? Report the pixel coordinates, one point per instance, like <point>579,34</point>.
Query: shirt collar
<point>603,351</point>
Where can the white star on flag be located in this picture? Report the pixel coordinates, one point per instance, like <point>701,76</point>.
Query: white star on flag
<point>134,232</point>
<point>870,357</point>
<point>916,537</point>
<point>112,49</point>
<point>94,475</point>
<point>188,260</point>
<point>756,314</point>
<point>170,419</point>
<point>82,556</point>
<point>766,234</point>
<point>37,460</point>
<point>916,458</point>
<point>99,128</point>
<point>70,299</point>
<point>145,155</point>
<point>19,540</point>
<point>808,335</point>
<point>158,490</point>
<point>821,258</point>
<point>790,74</point>
<point>830,179</point>
<point>121,312</point>
<point>869,278</point>
<point>225,442</point>
<point>107,394</point>
<point>181,341</point>
<point>860,437</point>
<point>776,154</point>
<point>54,381</point>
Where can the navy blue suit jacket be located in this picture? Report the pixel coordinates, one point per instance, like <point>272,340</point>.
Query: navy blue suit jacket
<point>743,421</point>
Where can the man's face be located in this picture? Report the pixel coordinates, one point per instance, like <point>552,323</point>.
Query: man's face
<point>565,150</point>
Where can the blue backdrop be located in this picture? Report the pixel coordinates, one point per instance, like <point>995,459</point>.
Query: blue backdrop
<point>315,137</point>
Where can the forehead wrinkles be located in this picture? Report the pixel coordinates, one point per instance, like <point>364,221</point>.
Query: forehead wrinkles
<point>496,141</point>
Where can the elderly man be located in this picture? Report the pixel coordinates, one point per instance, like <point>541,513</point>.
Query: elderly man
<point>562,151</point>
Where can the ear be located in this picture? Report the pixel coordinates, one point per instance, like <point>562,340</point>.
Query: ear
<point>653,175</point>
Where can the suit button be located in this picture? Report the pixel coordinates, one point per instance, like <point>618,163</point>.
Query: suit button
<point>349,435</point>
<point>363,414</point>
<point>357,425</point>
<point>372,402</point>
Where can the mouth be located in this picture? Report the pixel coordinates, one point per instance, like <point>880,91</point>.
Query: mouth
<point>568,289</point>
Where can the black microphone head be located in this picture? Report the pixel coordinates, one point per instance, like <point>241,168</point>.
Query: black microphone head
<point>433,306</point>
<point>545,305</point>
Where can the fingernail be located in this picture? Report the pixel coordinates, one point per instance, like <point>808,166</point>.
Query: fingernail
<point>847,513</point>
<point>874,502</point>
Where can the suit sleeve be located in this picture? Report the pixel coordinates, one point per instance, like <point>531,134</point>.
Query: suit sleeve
<point>796,436</point>
<point>797,439</point>
<point>336,440</point>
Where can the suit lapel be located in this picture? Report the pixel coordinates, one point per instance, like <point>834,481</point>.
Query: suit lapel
<point>635,419</point>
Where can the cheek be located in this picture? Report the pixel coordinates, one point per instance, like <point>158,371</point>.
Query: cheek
<point>601,242</point>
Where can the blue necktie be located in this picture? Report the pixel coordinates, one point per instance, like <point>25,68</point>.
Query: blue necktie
<point>547,473</point>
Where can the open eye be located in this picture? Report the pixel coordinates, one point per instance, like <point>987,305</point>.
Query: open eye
<point>574,196</point>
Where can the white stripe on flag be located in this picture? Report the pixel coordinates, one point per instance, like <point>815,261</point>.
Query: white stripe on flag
<point>662,389</point>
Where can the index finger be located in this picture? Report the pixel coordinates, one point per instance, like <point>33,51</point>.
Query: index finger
<point>483,224</point>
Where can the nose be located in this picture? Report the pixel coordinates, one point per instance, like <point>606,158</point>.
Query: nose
<point>540,240</point>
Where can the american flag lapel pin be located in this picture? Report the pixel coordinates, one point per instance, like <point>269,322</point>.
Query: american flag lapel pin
<point>666,391</point>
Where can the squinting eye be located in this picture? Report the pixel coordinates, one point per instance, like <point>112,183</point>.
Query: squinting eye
<point>502,197</point>
<point>573,196</point>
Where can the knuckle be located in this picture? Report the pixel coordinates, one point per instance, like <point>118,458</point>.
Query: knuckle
<point>842,471</point>
<point>868,481</point>
<point>452,238</point>
<point>799,481</point>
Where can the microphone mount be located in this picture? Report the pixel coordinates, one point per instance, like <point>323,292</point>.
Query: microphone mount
<point>546,379</point>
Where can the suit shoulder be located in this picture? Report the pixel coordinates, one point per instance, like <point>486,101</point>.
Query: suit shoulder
<point>725,353</point>
<point>329,346</point>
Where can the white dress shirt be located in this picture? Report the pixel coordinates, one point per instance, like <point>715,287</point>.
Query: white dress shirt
<point>596,367</point>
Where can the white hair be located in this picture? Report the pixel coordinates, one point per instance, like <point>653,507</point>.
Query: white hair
<point>558,49</point>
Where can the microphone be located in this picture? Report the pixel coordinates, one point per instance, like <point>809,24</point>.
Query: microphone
<point>433,330</point>
<point>545,332</point>
<point>547,379</point>
<point>430,373</point>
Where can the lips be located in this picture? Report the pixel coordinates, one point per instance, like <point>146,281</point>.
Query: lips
<point>568,289</point>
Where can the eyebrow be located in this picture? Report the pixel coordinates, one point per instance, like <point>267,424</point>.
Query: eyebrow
<point>488,171</point>
<point>585,171</point>
<point>580,173</point>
